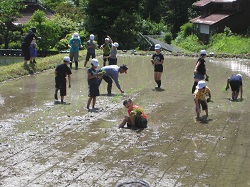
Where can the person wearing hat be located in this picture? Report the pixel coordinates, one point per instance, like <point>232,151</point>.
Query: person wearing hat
<point>235,82</point>
<point>112,73</point>
<point>93,83</point>
<point>61,71</point>
<point>157,61</point>
<point>91,46</point>
<point>26,44</point>
<point>200,98</point>
<point>112,58</point>
<point>106,49</point>
<point>200,69</point>
<point>136,116</point>
<point>75,44</point>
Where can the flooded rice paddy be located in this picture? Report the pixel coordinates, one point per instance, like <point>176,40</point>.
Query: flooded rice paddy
<point>43,144</point>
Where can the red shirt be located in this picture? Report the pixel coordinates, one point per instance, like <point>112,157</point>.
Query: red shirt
<point>135,106</point>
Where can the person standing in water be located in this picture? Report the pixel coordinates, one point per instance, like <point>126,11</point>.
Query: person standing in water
<point>61,72</point>
<point>91,46</point>
<point>106,49</point>
<point>157,61</point>
<point>75,44</point>
<point>200,70</point>
<point>93,83</point>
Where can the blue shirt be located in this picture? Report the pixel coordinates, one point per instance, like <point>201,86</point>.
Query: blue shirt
<point>75,44</point>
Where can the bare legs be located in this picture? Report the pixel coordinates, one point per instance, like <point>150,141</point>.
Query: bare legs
<point>89,102</point>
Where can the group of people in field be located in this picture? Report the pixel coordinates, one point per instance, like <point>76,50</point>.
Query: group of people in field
<point>200,90</point>
<point>136,116</point>
<point>109,72</point>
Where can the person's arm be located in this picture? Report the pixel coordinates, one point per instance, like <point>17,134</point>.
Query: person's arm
<point>227,86</point>
<point>115,78</point>
<point>110,40</point>
<point>69,79</point>
<point>197,65</point>
<point>241,91</point>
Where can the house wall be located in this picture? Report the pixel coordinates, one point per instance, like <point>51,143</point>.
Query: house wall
<point>238,22</point>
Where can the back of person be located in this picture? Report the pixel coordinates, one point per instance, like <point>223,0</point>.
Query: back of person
<point>235,78</point>
<point>62,70</point>
<point>202,67</point>
<point>111,70</point>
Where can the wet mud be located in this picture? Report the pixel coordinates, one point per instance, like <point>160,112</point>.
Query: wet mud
<point>48,144</point>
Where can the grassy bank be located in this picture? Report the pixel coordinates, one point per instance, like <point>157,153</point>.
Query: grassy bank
<point>16,70</point>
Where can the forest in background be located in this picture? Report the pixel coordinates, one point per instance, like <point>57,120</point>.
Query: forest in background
<point>123,20</point>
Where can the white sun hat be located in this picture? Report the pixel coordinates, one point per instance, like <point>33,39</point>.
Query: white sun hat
<point>66,59</point>
<point>157,46</point>
<point>75,35</point>
<point>94,62</point>
<point>203,52</point>
<point>201,84</point>
<point>91,37</point>
<point>116,44</point>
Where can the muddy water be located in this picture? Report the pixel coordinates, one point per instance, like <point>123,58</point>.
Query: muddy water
<point>43,144</point>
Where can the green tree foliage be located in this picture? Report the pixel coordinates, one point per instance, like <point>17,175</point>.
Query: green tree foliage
<point>176,14</point>
<point>46,29</point>
<point>101,15</point>
<point>125,30</point>
<point>9,12</point>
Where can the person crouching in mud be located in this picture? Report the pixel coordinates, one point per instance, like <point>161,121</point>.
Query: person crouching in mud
<point>136,117</point>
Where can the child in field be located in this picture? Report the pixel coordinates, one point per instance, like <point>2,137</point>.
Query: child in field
<point>33,51</point>
<point>200,98</point>
<point>61,72</point>
<point>157,61</point>
<point>106,49</point>
<point>93,83</point>
<point>136,117</point>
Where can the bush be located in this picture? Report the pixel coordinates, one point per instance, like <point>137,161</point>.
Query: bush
<point>187,29</point>
<point>190,43</point>
<point>234,44</point>
<point>168,37</point>
<point>15,45</point>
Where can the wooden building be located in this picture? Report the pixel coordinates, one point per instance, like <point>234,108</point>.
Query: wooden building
<point>217,14</point>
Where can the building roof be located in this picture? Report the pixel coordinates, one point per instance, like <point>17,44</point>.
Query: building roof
<point>213,18</point>
<point>206,2</point>
<point>28,12</point>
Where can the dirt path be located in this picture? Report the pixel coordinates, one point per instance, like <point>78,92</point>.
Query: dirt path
<point>65,145</point>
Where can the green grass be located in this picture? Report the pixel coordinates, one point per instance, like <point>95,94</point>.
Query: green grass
<point>16,69</point>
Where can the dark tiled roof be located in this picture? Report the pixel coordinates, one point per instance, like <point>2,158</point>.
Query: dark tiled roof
<point>206,2</point>
<point>213,18</point>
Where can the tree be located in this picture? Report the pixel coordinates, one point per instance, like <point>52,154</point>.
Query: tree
<point>101,15</point>
<point>47,30</point>
<point>9,12</point>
